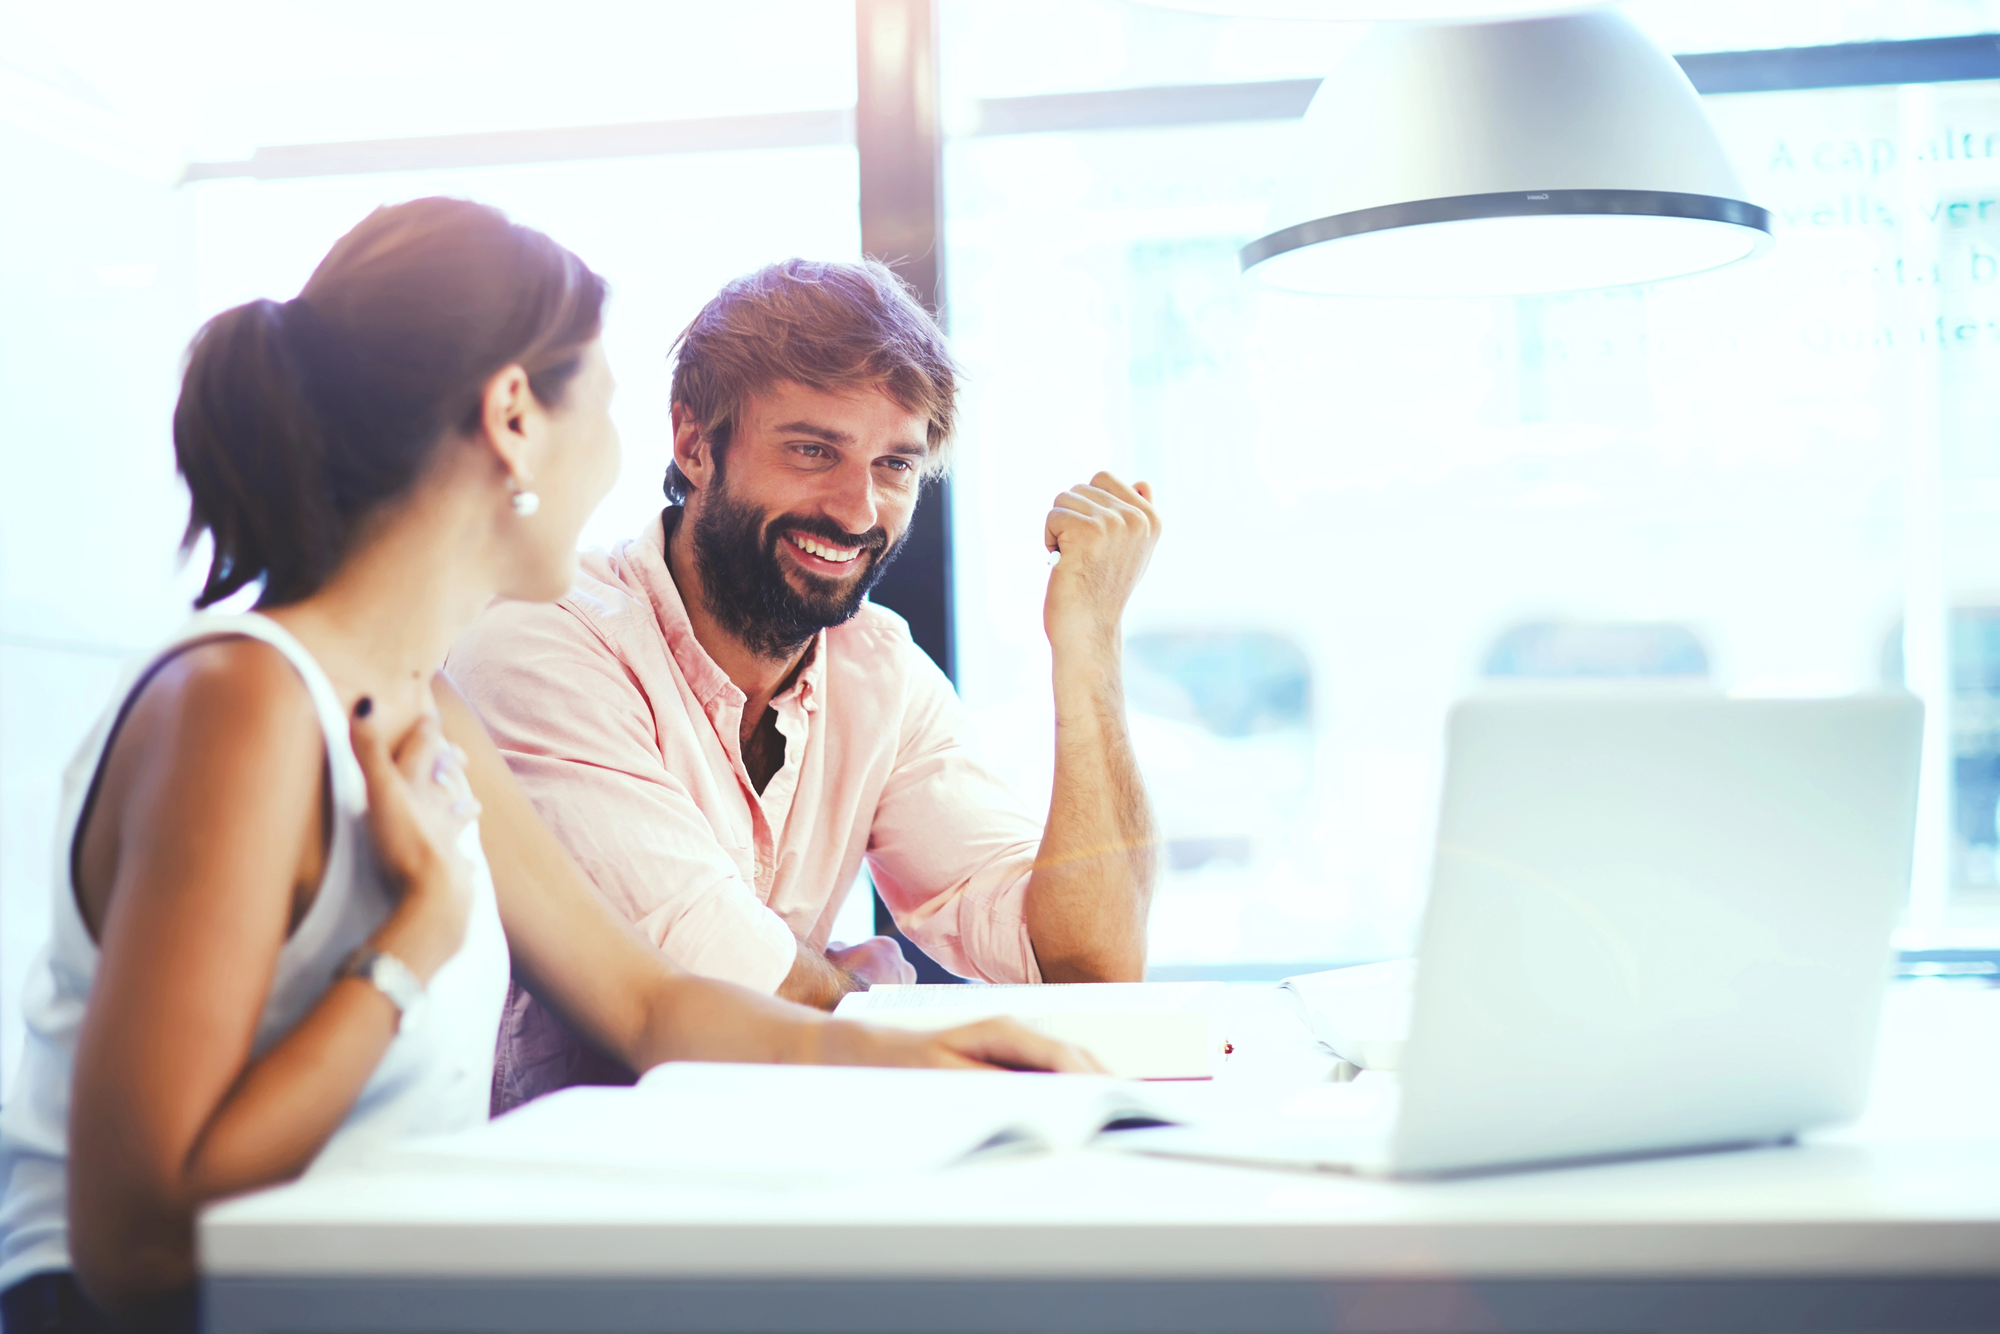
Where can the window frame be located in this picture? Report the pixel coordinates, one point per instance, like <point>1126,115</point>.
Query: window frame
<point>899,136</point>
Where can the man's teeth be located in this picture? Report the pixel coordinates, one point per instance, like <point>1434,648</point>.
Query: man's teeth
<point>824,552</point>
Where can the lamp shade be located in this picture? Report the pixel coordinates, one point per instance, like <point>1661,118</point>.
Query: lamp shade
<point>1540,155</point>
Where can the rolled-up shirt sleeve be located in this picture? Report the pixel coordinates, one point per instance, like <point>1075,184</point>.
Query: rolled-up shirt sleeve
<point>952,848</point>
<point>579,735</point>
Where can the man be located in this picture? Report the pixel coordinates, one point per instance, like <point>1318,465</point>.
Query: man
<point>721,728</point>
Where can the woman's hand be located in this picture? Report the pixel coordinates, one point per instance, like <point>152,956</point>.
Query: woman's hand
<point>419,804</point>
<point>990,1044</point>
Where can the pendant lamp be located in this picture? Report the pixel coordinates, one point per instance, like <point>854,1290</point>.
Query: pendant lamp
<point>1479,159</point>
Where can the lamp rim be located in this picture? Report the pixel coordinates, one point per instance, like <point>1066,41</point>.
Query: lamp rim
<point>1505,204</point>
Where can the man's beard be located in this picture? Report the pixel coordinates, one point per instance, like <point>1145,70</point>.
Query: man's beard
<point>744,583</point>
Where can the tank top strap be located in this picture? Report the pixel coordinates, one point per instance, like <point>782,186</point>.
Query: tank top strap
<point>350,789</point>
<point>349,795</point>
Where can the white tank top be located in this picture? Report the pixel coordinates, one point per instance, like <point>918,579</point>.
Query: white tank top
<point>435,1077</point>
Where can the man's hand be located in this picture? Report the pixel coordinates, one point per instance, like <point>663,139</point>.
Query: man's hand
<point>876,960</point>
<point>820,978</point>
<point>1105,531</point>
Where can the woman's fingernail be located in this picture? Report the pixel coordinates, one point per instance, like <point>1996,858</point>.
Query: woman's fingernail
<point>363,707</point>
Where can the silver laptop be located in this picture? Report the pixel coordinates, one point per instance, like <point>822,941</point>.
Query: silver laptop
<point>1655,924</point>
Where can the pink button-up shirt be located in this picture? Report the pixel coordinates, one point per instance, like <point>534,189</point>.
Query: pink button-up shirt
<point>625,734</point>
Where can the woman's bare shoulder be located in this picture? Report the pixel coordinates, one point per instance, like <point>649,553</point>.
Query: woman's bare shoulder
<point>235,703</point>
<point>219,753</point>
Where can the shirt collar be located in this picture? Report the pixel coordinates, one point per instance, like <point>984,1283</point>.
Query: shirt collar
<point>704,677</point>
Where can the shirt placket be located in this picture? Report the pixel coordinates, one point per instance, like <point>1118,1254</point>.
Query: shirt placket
<point>725,714</point>
<point>779,793</point>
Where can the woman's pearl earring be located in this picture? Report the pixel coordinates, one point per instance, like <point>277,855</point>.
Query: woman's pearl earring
<point>525,502</point>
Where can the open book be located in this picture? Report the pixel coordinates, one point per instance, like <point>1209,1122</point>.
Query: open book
<point>1137,1030</point>
<point>1362,1014</point>
<point>786,1124</point>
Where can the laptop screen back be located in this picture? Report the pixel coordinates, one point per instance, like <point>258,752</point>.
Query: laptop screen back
<point>1655,922</point>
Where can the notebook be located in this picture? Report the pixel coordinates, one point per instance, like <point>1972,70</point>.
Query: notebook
<point>786,1124</point>
<point>1137,1030</point>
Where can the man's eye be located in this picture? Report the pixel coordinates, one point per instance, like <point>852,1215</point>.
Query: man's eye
<point>812,451</point>
<point>900,465</point>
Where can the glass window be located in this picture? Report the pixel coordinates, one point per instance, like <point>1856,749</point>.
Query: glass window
<point>1727,25</point>
<point>108,264</point>
<point>1560,650</point>
<point>1975,747</point>
<point>1740,477</point>
<point>1029,47</point>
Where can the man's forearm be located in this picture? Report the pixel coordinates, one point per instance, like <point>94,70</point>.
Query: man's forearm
<point>816,980</point>
<point>1093,883</point>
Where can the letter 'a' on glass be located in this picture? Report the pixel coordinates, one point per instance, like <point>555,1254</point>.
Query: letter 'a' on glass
<point>1491,159</point>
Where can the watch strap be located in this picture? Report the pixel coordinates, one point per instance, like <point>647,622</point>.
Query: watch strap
<point>387,974</point>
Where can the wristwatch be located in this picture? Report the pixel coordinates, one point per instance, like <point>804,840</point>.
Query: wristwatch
<point>390,976</point>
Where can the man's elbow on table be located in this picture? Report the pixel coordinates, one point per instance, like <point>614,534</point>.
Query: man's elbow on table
<point>1123,961</point>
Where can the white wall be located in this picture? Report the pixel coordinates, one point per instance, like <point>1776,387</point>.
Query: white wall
<point>96,275</point>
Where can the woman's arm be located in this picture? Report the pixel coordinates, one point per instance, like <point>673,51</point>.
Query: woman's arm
<point>571,950</point>
<point>212,799</point>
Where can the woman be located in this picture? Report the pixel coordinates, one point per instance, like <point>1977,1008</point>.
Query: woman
<point>273,861</point>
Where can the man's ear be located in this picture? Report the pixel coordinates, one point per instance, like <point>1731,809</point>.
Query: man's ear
<point>506,410</point>
<point>691,448</point>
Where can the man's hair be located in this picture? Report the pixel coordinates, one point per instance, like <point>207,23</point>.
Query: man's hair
<point>819,323</point>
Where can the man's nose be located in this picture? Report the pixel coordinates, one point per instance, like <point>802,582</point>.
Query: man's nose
<point>851,502</point>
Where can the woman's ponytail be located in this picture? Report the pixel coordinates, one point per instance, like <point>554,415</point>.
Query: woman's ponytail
<point>251,451</point>
<point>296,421</point>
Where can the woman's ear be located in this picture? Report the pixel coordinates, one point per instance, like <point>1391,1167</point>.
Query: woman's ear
<point>507,416</point>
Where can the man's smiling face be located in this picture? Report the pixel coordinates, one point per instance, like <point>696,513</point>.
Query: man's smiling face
<point>804,510</point>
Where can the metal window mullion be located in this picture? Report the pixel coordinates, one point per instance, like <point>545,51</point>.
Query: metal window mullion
<point>899,142</point>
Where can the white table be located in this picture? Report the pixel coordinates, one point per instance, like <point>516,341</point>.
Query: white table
<point>1890,1224</point>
